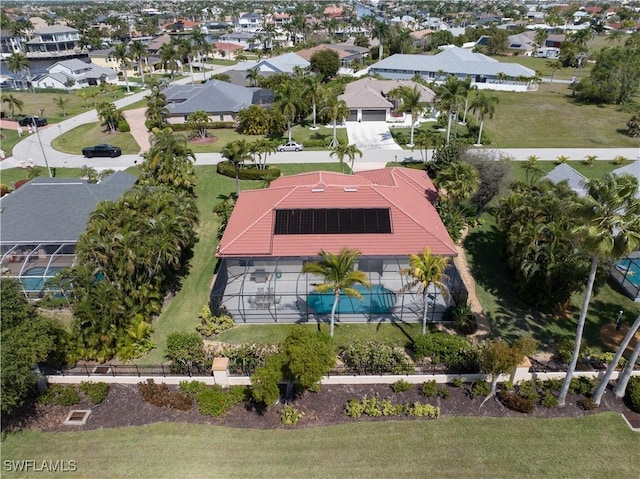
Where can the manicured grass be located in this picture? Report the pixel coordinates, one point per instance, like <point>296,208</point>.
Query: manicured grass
<point>597,170</point>
<point>522,120</point>
<point>93,134</point>
<point>11,175</point>
<point>542,65</point>
<point>8,139</point>
<point>223,135</point>
<point>181,314</point>
<point>220,61</point>
<point>593,446</point>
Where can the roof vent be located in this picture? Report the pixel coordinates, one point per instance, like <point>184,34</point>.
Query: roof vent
<point>317,190</point>
<point>350,189</point>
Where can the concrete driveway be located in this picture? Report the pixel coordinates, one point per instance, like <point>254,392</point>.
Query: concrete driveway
<point>371,135</point>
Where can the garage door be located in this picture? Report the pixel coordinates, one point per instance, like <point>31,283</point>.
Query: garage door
<point>353,115</point>
<point>374,115</point>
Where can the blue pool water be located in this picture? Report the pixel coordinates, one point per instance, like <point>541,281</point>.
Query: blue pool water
<point>377,300</point>
<point>633,266</point>
<point>32,279</point>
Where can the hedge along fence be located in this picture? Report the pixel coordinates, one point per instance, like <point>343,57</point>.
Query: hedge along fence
<point>226,168</point>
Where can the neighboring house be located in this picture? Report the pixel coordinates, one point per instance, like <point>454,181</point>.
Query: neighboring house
<point>227,49</point>
<point>221,100</point>
<point>180,25</point>
<point>522,43</point>
<point>104,58</point>
<point>387,214</point>
<point>485,72</point>
<point>554,40</point>
<point>367,98</point>
<point>249,23</point>
<point>280,19</point>
<point>56,40</point>
<point>346,53</point>
<point>154,45</point>
<point>248,41</point>
<point>209,28</point>
<point>575,180</point>
<point>42,222</point>
<point>285,63</point>
<point>10,43</point>
<point>627,270</point>
<point>61,74</point>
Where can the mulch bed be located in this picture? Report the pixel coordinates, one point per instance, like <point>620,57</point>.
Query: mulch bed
<point>124,407</point>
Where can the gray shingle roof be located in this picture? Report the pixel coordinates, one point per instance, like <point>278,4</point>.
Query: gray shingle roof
<point>371,93</point>
<point>55,29</point>
<point>215,96</point>
<point>453,60</point>
<point>56,210</point>
<point>564,172</point>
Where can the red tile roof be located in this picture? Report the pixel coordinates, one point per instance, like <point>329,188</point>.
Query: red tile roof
<point>406,192</point>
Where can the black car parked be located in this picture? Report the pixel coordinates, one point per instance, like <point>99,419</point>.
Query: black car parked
<point>28,121</point>
<point>101,150</point>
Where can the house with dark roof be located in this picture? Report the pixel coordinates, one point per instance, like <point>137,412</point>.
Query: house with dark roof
<point>485,72</point>
<point>42,222</point>
<point>386,214</point>
<point>221,100</point>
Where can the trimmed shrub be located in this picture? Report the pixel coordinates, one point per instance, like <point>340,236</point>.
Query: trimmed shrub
<point>455,352</point>
<point>216,401</point>
<point>516,402</point>
<point>529,390</point>
<point>430,389</point>
<point>184,349</point>
<point>375,407</point>
<point>192,388</point>
<point>289,416</point>
<point>123,126</point>
<point>160,395</point>
<point>549,400</point>
<point>216,125</point>
<point>59,395</point>
<point>633,393</point>
<point>480,389</point>
<point>226,168</point>
<point>96,392</point>
<point>423,410</point>
<point>458,382</point>
<point>552,385</point>
<point>587,404</point>
<point>401,386</point>
<point>211,325</point>
<point>582,385</point>
<point>565,348</point>
<point>375,357</point>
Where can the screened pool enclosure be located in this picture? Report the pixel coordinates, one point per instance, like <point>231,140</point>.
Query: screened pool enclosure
<point>627,273</point>
<point>274,290</point>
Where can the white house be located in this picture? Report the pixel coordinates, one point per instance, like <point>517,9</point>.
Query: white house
<point>74,74</point>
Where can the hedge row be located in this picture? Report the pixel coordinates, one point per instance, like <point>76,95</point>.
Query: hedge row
<point>226,168</point>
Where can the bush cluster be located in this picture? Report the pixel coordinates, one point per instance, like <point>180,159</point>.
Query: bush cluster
<point>211,325</point>
<point>289,416</point>
<point>633,393</point>
<point>374,357</point>
<point>96,392</point>
<point>216,401</point>
<point>516,402</point>
<point>455,352</point>
<point>160,395</point>
<point>192,388</point>
<point>431,389</point>
<point>59,395</point>
<point>216,125</point>
<point>226,168</point>
<point>245,358</point>
<point>582,385</point>
<point>184,349</point>
<point>480,389</point>
<point>123,126</point>
<point>401,386</point>
<point>587,404</point>
<point>374,407</point>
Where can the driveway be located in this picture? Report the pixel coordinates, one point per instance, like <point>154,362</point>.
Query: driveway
<point>371,135</point>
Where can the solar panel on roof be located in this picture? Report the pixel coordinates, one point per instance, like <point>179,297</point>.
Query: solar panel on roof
<point>332,221</point>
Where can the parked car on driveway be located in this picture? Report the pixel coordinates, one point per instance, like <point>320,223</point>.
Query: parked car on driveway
<point>291,146</point>
<point>101,150</point>
<point>28,121</point>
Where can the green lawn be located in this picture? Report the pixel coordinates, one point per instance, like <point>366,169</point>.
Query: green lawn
<point>93,134</point>
<point>542,65</point>
<point>11,175</point>
<point>597,170</point>
<point>220,61</point>
<point>8,139</point>
<point>181,314</point>
<point>594,446</point>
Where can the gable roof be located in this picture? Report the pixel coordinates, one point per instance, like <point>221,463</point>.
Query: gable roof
<point>407,193</point>
<point>214,96</point>
<point>56,210</point>
<point>370,92</point>
<point>55,29</point>
<point>632,169</point>
<point>307,53</point>
<point>452,60</point>
<point>575,180</point>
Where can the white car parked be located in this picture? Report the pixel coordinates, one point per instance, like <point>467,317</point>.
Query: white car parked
<point>291,146</point>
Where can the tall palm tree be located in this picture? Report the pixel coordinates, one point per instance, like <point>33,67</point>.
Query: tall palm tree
<point>340,151</point>
<point>338,275</point>
<point>448,96</point>
<point>169,58</point>
<point>288,102</point>
<point>460,180</point>
<point>121,54</point>
<point>17,62</point>
<point>13,102</point>
<point>352,150</point>
<point>252,76</point>
<point>313,90</point>
<point>61,103</point>
<point>426,269</point>
<point>410,100</point>
<point>187,51</point>
<point>611,214</point>
<point>485,107</point>
<point>139,53</point>
<point>625,375</point>
<point>380,31</point>
<point>337,111</point>
<point>237,152</point>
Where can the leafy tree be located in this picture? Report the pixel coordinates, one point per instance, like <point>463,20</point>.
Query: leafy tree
<point>169,162</point>
<point>13,102</point>
<point>157,110</point>
<point>308,356</point>
<point>198,122</point>
<point>325,63</point>
<point>460,180</point>
<point>449,95</point>
<point>169,58</point>
<point>532,169</point>
<point>498,41</point>
<point>109,115</point>
<point>253,120</point>
<point>185,349</point>
<point>426,269</point>
<point>484,106</point>
<point>223,210</point>
<point>610,230</point>
<point>264,381</point>
<point>187,51</point>
<point>26,340</point>
<point>338,275</point>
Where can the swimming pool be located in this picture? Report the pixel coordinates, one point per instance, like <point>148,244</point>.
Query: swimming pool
<point>377,300</point>
<point>630,267</point>
<point>33,281</point>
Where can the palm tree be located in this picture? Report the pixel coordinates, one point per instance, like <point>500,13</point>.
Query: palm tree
<point>460,179</point>
<point>169,58</point>
<point>252,76</point>
<point>426,269</point>
<point>554,65</point>
<point>313,90</point>
<point>380,31</point>
<point>623,379</point>
<point>121,54</point>
<point>338,111</point>
<point>611,214</point>
<point>186,50</point>
<point>13,102</point>
<point>139,53</point>
<point>157,110</point>
<point>288,102</point>
<point>237,152</point>
<point>484,106</point>
<point>109,115</point>
<point>17,62</point>
<point>448,96</point>
<point>340,150</point>
<point>62,104</point>
<point>338,275</point>
<point>351,151</point>
<point>410,100</point>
